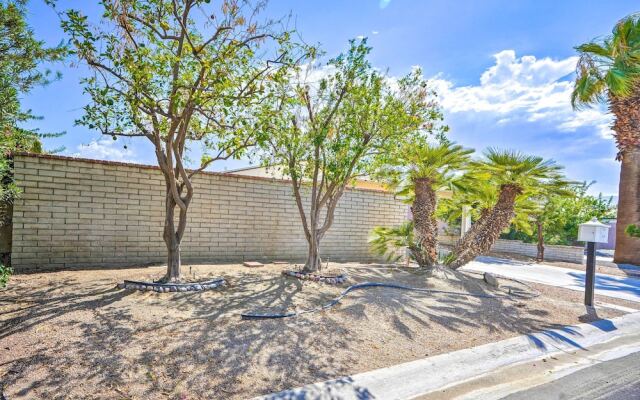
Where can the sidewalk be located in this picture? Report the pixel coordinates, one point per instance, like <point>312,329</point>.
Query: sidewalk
<point>606,285</point>
<point>475,372</point>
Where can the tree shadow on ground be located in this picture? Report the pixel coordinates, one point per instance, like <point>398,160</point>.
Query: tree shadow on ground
<point>613,284</point>
<point>108,343</point>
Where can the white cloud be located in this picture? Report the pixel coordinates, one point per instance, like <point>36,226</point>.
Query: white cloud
<point>374,32</point>
<point>591,117</point>
<point>524,89</point>
<point>105,149</point>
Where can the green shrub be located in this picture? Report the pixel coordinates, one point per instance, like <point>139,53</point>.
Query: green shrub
<point>633,230</point>
<point>391,242</point>
<point>5,273</point>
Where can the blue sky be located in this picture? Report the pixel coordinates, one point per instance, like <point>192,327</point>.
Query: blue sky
<point>503,70</point>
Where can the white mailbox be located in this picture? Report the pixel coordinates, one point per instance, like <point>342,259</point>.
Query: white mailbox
<point>593,231</point>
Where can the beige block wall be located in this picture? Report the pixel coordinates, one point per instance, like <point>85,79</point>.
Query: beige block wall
<point>81,213</point>
<point>573,254</point>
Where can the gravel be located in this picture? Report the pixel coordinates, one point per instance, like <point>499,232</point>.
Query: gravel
<point>72,334</point>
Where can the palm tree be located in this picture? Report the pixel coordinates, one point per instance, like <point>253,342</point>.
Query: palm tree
<point>609,71</point>
<point>480,197</point>
<point>416,173</point>
<point>389,242</point>
<point>514,177</point>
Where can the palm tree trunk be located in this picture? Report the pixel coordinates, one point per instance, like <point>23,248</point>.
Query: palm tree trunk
<point>483,237</point>
<point>424,222</point>
<point>627,247</point>
<point>464,244</point>
<point>627,135</point>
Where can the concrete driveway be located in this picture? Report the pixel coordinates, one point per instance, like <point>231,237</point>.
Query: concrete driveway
<point>606,285</point>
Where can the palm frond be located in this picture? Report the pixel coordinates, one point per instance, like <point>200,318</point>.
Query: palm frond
<point>391,242</point>
<point>610,65</point>
<point>440,162</point>
<point>594,48</point>
<point>588,89</point>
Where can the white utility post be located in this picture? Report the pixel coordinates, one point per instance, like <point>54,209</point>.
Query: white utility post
<point>591,232</point>
<point>466,220</point>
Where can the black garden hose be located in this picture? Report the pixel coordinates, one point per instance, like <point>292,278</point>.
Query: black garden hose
<point>363,286</point>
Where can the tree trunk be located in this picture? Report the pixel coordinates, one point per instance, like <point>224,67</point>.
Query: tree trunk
<point>171,240</point>
<point>627,135</point>
<point>466,241</point>
<point>628,248</point>
<point>314,262</point>
<point>540,256</point>
<point>424,222</point>
<point>173,263</point>
<point>317,228</point>
<point>483,237</point>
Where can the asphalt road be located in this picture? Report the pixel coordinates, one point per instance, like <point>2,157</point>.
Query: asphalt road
<point>617,379</point>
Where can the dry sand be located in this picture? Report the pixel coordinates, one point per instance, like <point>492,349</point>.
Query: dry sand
<point>73,335</point>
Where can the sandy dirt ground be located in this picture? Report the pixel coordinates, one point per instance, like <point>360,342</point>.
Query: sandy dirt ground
<point>74,335</point>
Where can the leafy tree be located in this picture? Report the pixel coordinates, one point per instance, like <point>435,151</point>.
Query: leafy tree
<point>180,73</point>
<point>335,129</point>
<point>21,69</point>
<point>608,71</point>
<point>512,175</point>
<point>415,172</point>
<point>543,201</point>
<point>563,212</point>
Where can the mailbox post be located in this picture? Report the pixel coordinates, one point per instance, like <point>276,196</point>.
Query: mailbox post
<point>591,232</point>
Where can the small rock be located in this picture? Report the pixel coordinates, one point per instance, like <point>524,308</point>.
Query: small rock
<point>491,280</point>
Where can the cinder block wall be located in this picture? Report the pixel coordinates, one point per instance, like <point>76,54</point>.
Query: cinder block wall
<point>572,254</point>
<point>80,213</point>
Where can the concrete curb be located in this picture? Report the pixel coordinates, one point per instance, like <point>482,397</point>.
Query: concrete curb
<point>415,378</point>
